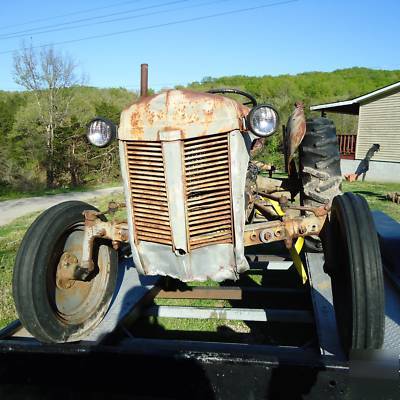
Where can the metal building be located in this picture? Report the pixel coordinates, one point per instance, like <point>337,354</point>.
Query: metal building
<point>378,123</point>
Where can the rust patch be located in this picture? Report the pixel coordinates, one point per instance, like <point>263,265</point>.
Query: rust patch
<point>137,129</point>
<point>65,271</point>
<point>140,100</point>
<point>193,113</point>
<point>287,230</point>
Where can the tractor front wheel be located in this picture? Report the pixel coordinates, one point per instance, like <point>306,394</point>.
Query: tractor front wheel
<point>53,309</point>
<point>353,260</point>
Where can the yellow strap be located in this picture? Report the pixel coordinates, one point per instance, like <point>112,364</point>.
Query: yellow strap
<point>295,254</point>
<point>276,206</point>
<point>296,249</point>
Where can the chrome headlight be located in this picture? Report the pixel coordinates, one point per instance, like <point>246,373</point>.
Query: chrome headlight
<point>263,120</point>
<point>101,132</point>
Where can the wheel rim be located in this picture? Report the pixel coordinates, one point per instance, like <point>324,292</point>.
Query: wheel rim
<point>84,299</point>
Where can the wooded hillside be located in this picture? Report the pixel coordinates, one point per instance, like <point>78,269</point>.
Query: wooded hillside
<point>23,156</point>
<point>22,159</point>
<point>311,88</point>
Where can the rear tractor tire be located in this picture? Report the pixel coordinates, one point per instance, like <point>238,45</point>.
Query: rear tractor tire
<point>320,172</point>
<point>353,260</point>
<point>51,312</point>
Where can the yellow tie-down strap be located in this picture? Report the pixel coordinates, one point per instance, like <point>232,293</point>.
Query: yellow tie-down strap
<point>295,254</point>
<point>296,249</point>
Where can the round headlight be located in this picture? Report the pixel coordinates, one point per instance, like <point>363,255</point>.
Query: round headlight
<point>101,132</point>
<point>263,120</point>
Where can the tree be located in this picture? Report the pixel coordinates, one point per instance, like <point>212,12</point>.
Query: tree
<point>9,106</point>
<point>27,158</point>
<point>49,75</point>
<point>3,165</point>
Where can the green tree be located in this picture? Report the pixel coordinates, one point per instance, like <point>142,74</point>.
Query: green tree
<point>49,75</point>
<point>9,106</point>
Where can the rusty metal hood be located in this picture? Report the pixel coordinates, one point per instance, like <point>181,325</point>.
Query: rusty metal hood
<point>180,114</point>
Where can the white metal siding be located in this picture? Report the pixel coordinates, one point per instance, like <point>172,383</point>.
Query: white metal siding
<point>379,122</point>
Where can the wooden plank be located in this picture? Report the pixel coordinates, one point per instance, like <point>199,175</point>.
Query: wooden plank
<point>233,314</point>
<point>226,292</point>
<point>202,292</point>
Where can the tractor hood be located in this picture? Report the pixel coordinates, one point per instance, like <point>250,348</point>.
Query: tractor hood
<point>180,114</point>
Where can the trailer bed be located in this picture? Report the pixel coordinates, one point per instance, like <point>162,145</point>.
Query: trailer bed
<point>132,355</point>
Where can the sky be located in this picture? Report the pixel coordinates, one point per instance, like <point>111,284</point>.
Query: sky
<point>186,40</point>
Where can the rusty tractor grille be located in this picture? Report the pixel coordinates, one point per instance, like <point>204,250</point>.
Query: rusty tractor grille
<point>208,190</point>
<point>148,192</point>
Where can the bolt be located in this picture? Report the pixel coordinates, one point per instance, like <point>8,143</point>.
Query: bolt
<point>278,233</point>
<point>267,236</point>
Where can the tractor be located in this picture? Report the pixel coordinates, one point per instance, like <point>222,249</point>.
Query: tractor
<point>195,199</point>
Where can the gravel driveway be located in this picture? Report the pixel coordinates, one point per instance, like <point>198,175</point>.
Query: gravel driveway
<point>11,209</point>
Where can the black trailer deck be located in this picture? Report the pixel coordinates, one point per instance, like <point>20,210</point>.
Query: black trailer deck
<point>287,347</point>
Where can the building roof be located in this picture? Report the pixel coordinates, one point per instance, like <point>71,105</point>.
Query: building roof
<point>352,106</point>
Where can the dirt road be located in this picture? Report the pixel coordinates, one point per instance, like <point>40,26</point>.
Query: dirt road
<point>11,209</point>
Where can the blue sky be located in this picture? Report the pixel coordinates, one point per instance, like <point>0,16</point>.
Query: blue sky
<point>283,37</point>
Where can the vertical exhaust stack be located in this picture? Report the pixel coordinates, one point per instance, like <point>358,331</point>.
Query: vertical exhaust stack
<point>144,79</point>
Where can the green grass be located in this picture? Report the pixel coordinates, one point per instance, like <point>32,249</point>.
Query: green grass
<point>7,193</point>
<point>11,236</point>
<point>208,325</point>
<point>375,194</point>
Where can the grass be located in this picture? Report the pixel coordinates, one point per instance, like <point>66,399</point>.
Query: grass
<point>11,236</point>
<point>7,193</point>
<point>208,325</point>
<point>375,193</point>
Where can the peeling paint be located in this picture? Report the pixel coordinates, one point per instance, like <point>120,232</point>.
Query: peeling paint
<point>192,113</point>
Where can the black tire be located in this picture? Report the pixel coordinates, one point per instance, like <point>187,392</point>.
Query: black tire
<point>353,260</point>
<point>50,313</point>
<point>320,172</point>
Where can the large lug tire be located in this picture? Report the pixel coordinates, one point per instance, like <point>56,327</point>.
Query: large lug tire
<point>51,313</point>
<point>320,172</point>
<point>353,260</point>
